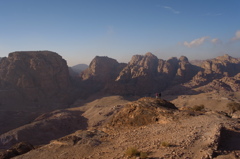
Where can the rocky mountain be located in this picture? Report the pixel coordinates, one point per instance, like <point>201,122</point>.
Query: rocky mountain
<point>221,67</point>
<point>42,77</point>
<point>146,74</point>
<point>32,82</point>
<point>101,70</point>
<point>34,78</point>
<point>79,68</point>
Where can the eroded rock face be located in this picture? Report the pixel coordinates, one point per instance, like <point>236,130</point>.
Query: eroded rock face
<point>147,75</point>
<point>139,66</point>
<point>186,70</point>
<point>33,77</point>
<point>101,71</point>
<point>231,84</point>
<point>223,65</point>
<point>216,69</point>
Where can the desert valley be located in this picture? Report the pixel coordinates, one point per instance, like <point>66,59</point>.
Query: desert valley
<point>108,110</point>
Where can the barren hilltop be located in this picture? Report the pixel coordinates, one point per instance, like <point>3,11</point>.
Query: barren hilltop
<point>109,110</point>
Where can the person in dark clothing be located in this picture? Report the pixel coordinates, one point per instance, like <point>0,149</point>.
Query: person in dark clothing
<point>158,95</point>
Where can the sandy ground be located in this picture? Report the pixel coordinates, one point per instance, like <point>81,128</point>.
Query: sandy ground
<point>192,136</point>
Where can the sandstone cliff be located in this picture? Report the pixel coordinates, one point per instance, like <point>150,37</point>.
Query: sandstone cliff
<point>33,78</point>
<point>147,75</point>
<point>102,70</point>
<point>217,68</point>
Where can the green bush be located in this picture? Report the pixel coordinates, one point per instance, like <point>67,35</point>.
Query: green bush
<point>233,106</point>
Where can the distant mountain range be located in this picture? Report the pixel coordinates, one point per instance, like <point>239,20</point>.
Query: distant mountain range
<point>39,79</point>
<point>146,74</point>
<point>37,86</point>
<point>79,68</point>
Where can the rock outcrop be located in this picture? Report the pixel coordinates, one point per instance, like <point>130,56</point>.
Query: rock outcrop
<point>231,84</point>
<point>143,112</point>
<point>17,149</point>
<point>45,128</point>
<point>34,78</point>
<point>216,69</point>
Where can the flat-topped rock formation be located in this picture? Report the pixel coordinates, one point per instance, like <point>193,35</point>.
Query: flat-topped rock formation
<point>34,78</point>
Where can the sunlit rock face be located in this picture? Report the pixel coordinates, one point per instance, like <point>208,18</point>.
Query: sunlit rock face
<point>146,74</point>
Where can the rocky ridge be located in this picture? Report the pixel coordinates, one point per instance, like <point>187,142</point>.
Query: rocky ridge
<point>146,74</point>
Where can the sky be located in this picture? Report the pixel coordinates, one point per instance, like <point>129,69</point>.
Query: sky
<point>79,30</point>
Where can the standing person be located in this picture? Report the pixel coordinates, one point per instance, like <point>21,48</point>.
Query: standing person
<point>157,95</point>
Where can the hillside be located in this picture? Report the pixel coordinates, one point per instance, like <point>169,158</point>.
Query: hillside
<point>111,107</point>
<point>176,133</point>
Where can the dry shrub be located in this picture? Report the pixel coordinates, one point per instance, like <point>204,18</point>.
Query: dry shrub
<point>165,144</point>
<point>143,155</point>
<point>233,106</point>
<point>133,152</point>
<point>198,107</point>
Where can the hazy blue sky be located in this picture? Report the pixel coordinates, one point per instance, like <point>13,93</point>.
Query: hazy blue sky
<point>81,29</point>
